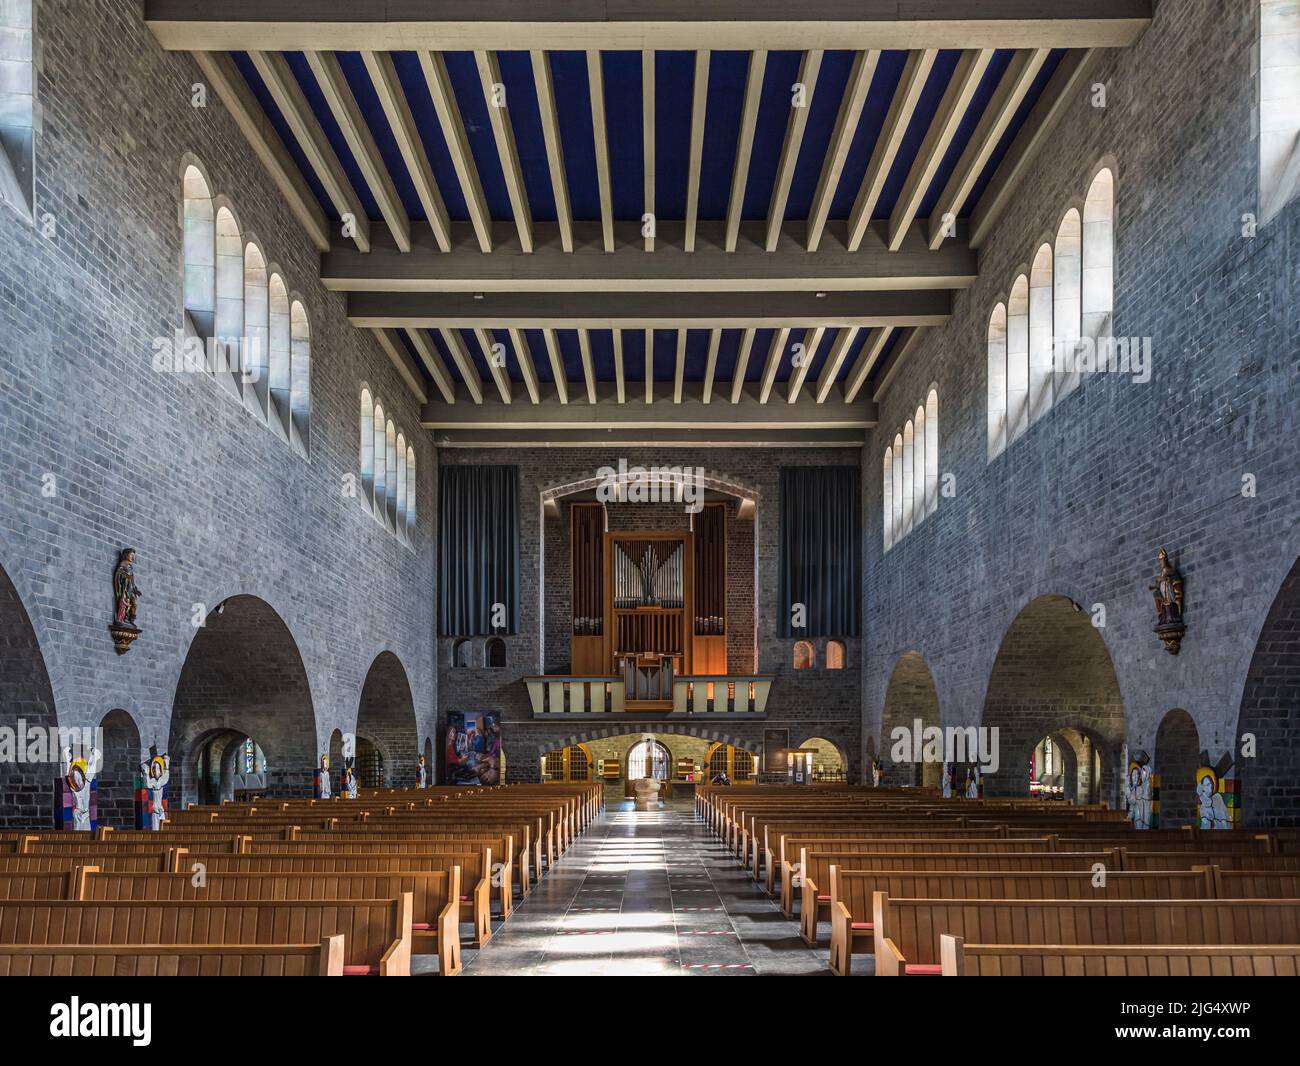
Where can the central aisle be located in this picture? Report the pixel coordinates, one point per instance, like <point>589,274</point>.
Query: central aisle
<point>646,894</point>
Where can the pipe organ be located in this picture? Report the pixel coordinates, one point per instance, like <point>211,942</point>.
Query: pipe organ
<point>648,607</point>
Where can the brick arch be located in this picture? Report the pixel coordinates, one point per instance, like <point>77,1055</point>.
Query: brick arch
<point>244,676</point>
<point>1054,673</point>
<point>911,694</point>
<point>754,747</point>
<point>1269,714</point>
<point>122,753</point>
<point>386,718</point>
<point>1177,755</point>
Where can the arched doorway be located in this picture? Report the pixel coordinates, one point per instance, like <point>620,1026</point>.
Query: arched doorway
<point>115,787</point>
<point>243,678</point>
<point>1178,754</point>
<point>649,758</point>
<point>1270,716</point>
<point>567,764</point>
<point>387,736</point>
<point>1054,677</point>
<point>829,763</point>
<point>337,755</point>
<point>911,696</point>
<point>737,763</point>
<point>26,698</point>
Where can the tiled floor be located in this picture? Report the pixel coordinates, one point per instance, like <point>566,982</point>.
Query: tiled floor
<point>646,894</point>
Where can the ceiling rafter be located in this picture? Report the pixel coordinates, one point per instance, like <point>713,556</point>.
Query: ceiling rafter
<point>846,125</point>
<point>742,364</point>
<point>550,117</point>
<point>557,365</point>
<point>801,106</point>
<point>596,84</point>
<point>588,366</point>
<point>834,362</point>
<point>620,382</point>
<point>527,367</point>
<point>773,364</point>
<point>865,363</point>
<point>402,362</point>
<point>745,145</point>
<point>496,362</point>
<point>438,83</point>
<point>433,363</point>
<point>649,221</point>
<point>711,363</point>
<point>699,110</point>
<point>498,109</point>
<point>803,361</point>
<point>464,363</point>
<point>679,377</point>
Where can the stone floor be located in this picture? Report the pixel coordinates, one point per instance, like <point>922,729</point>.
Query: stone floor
<point>646,894</point>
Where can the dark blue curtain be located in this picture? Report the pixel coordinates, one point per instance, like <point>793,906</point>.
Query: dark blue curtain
<point>821,550</point>
<point>478,549</point>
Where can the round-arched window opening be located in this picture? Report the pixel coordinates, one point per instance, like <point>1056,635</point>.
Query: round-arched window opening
<point>805,655</point>
<point>649,758</point>
<point>494,654</point>
<point>463,653</point>
<point>835,655</point>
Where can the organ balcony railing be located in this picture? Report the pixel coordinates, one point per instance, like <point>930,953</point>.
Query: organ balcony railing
<point>553,695</point>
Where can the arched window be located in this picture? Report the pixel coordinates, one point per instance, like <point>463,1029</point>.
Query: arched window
<point>381,465</point>
<point>462,653</point>
<point>932,452</point>
<point>411,485</point>
<point>649,758</point>
<point>279,356</point>
<point>1040,334</point>
<point>909,478</point>
<point>918,467</point>
<point>390,476</point>
<point>1067,301</point>
<point>1018,359</point>
<point>300,377</point>
<point>257,330</point>
<point>805,655</point>
<point>230,301</point>
<point>367,458</point>
<point>17,105</point>
<point>997,349</point>
<point>1279,105</point>
<point>887,496</point>
<point>199,249</point>
<point>835,655</point>
<point>1099,258</point>
<point>494,653</point>
<point>401,486</point>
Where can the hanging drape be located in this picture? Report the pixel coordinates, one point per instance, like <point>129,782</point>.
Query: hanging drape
<point>478,550</point>
<point>821,551</point>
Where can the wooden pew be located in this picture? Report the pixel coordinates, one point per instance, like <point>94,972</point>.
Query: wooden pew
<point>174,960</point>
<point>852,894</point>
<point>377,932</point>
<point>959,959</point>
<point>907,931</point>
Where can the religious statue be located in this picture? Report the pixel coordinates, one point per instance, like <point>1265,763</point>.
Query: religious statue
<point>350,787</point>
<point>1138,791</point>
<point>875,772</point>
<point>79,776</point>
<point>1212,809</point>
<point>323,778</point>
<point>157,770</point>
<point>1168,595</point>
<point>421,773</point>
<point>945,782</point>
<point>126,596</point>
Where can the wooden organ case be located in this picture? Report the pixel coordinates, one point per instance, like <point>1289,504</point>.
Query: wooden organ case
<point>648,607</point>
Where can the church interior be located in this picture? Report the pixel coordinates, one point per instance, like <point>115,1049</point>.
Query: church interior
<point>650,489</point>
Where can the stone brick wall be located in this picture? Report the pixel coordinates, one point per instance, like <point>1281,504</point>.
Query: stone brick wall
<point>811,703</point>
<point>172,464</point>
<point>1079,505</point>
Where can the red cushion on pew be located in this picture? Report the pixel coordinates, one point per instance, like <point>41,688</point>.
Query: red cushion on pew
<point>861,925</point>
<point>823,899</point>
<point>360,971</point>
<point>420,927</point>
<point>923,969</point>
<point>465,899</point>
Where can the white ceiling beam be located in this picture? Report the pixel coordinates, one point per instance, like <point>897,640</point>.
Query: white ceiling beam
<point>906,345</point>
<point>596,82</point>
<point>433,363</point>
<point>648,146</point>
<point>834,361</point>
<point>557,365</point>
<point>526,365</point>
<point>812,340</point>
<point>745,144</point>
<point>971,68</point>
<point>649,366</point>
<point>496,365</point>
<point>711,365</point>
<point>588,366</point>
<point>388,87</point>
<point>699,109</point>
<point>222,74</point>
<point>297,113</point>
<point>865,363</point>
<point>679,377</point>
<point>773,364</point>
<point>846,125</point>
<point>464,363</point>
<point>620,382</point>
<point>498,109</point>
<point>742,364</point>
<point>402,362</point>
<point>550,117</point>
<point>801,106</point>
<point>453,132</point>
<point>1011,92</point>
<point>901,110</point>
<point>347,115</point>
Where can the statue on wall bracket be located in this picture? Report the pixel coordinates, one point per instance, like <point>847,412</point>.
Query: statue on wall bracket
<point>126,596</point>
<point>1168,595</point>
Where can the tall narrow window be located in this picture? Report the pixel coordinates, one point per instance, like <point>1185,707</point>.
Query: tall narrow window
<point>411,485</point>
<point>997,350</point>
<point>367,457</point>
<point>887,496</point>
<point>390,476</point>
<point>918,467</point>
<point>381,464</point>
<point>932,452</point>
<point>1018,359</point>
<point>257,331</point>
<point>909,457</point>
<point>401,486</point>
<point>279,355</point>
<point>1279,105</point>
<point>898,487</point>
<point>1040,335</point>
<point>17,104</point>
<point>199,249</point>
<point>1067,301</point>
<point>300,377</point>
<point>229,326</point>
<point>1099,258</point>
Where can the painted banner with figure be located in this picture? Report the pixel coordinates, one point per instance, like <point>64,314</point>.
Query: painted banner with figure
<point>473,754</point>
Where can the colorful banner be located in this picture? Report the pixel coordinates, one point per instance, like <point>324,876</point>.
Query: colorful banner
<point>473,752</point>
